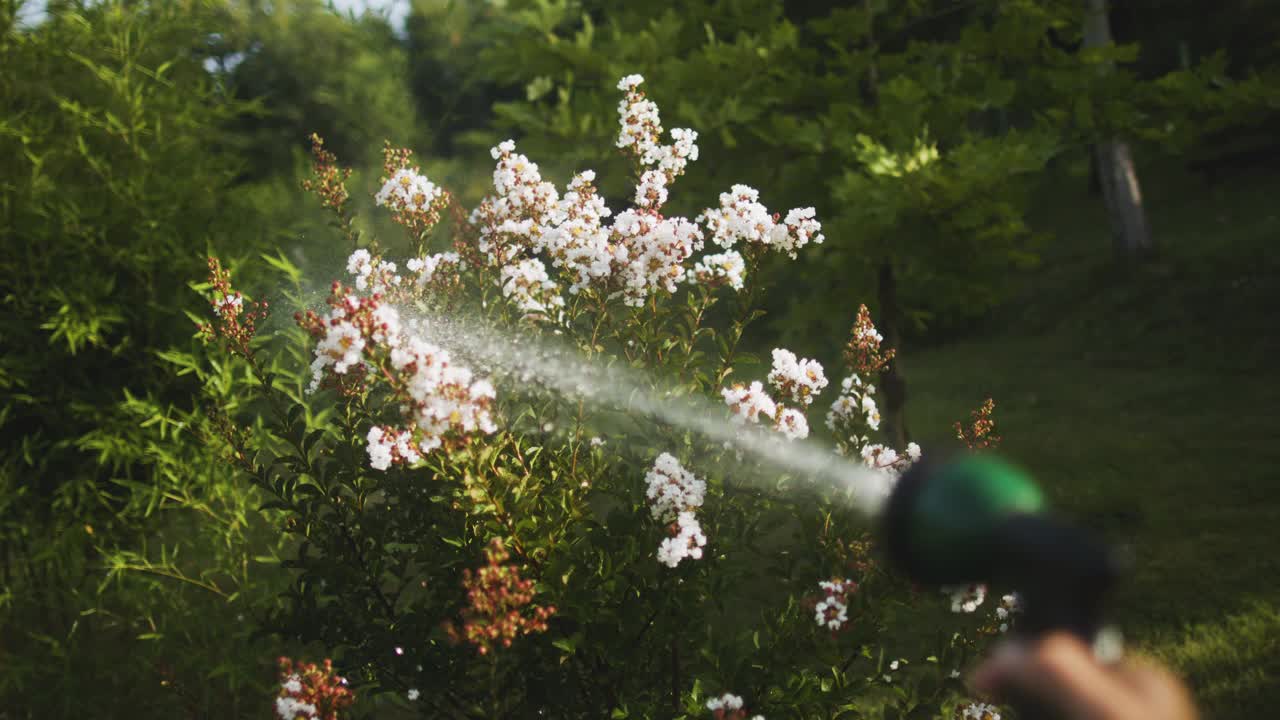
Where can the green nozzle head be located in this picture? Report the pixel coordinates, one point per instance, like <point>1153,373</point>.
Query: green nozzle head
<point>943,520</point>
<point>977,519</point>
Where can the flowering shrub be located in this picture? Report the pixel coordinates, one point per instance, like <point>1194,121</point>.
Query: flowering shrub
<point>428,423</point>
<point>311,692</point>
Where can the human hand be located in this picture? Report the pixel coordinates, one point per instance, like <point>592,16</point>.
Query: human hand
<point>1061,672</point>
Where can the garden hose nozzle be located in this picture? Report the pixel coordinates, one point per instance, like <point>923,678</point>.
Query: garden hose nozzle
<point>978,519</point>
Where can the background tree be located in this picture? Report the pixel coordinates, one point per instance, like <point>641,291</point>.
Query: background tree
<point>1113,159</point>
<point>115,174</point>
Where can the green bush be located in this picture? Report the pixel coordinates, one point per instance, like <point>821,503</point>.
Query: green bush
<point>114,177</point>
<point>477,456</point>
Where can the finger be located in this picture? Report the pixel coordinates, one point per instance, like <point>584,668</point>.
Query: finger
<point>1060,671</point>
<point>1159,690</point>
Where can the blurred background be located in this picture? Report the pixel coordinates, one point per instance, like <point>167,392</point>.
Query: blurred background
<point>1064,206</point>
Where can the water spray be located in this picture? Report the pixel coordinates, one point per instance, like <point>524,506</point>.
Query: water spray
<point>978,519</point>
<point>959,521</point>
<point>562,369</point>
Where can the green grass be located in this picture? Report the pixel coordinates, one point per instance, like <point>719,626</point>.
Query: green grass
<point>1145,402</point>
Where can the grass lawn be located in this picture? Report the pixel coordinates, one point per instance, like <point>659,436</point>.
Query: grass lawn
<point>1145,402</point>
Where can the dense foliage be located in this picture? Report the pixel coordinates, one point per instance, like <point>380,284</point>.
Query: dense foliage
<point>175,515</point>
<point>584,529</point>
<point>115,178</point>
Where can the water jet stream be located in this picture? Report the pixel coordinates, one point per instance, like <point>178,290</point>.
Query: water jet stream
<point>563,369</point>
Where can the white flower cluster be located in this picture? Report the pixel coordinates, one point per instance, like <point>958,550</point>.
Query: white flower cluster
<point>341,349</point>
<point>426,268</point>
<point>741,217</point>
<point>748,403</point>
<point>797,380</point>
<point>1010,605</point>
<point>511,223</point>
<point>729,706</point>
<point>651,192</point>
<point>791,423</point>
<point>408,191</point>
<point>638,116</point>
<point>655,248</point>
<point>686,541</point>
<point>288,706</point>
<point>346,335</point>
<point>442,397</point>
<point>384,444</point>
<point>672,489</point>
<point>641,134</point>
<point>887,459</point>
<point>832,612</point>
<point>527,284</point>
<point>966,598</point>
<point>577,239</point>
<point>674,496</point>
<point>856,400</point>
<point>723,268</point>
<point>802,228</point>
<point>437,397</point>
<point>372,274</point>
<point>979,711</point>
<point>642,252</point>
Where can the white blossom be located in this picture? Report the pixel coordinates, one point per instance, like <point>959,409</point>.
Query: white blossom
<point>966,598</point>
<point>1010,605</point>
<point>438,396</point>
<point>748,403</point>
<point>741,217</point>
<point>672,489</point>
<point>527,284</point>
<point>338,351</point>
<point>856,403</point>
<point>687,542</point>
<point>379,448</point>
<point>726,267</point>
<point>878,456</point>
<point>651,192</point>
<point>728,701</point>
<point>792,424</point>
<point>654,249</point>
<point>796,379</point>
<point>980,711</point>
<point>577,239</point>
<point>798,229</point>
<point>426,267</point>
<point>831,613</point>
<point>513,222</point>
<point>371,274</point>
<point>290,708</point>
<point>408,190</point>
<point>630,82</point>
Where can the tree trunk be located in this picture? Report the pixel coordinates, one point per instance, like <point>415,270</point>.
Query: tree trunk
<point>892,382</point>
<point>1131,237</point>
